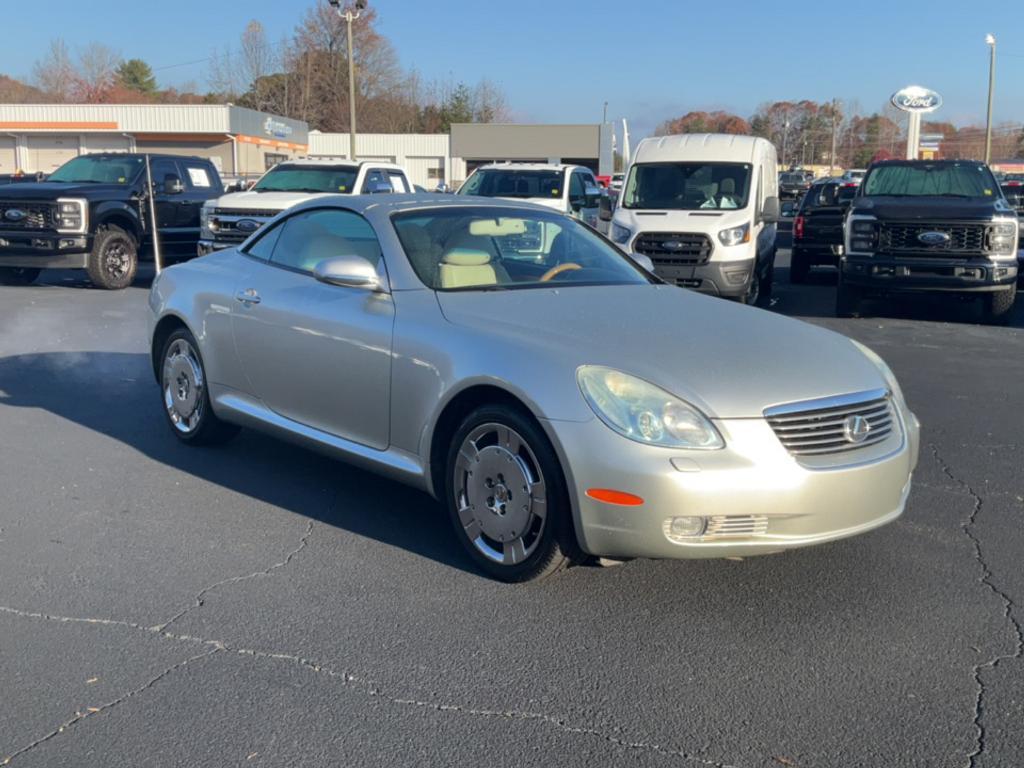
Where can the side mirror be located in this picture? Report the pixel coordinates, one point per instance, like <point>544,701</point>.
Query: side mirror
<point>770,210</point>
<point>173,185</point>
<point>349,272</point>
<point>381,188</point>
<point>604,205</point>
<point>592,197</point>
<point>643,261</point>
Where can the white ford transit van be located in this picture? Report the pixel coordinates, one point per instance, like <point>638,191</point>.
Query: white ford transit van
<point>703,208</point>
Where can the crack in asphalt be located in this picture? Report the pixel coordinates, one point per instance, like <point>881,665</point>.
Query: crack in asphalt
<point>201,595</point>
<point>1008,605</point>
<point>80,716</point>
<point>366,687</point>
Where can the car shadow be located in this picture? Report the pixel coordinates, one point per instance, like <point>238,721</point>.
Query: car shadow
<point>114,394</point>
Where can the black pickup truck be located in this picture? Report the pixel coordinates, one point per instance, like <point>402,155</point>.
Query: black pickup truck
<point>93,213</point>
<point>818,227</point>
<point>940,226</point>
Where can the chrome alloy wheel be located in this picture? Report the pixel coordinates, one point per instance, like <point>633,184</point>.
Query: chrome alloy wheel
<point>116,260</point>
<point>500,494</point>
<point>183,386</point>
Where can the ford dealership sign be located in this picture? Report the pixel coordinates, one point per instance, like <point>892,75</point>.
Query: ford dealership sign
<point>914,98</point>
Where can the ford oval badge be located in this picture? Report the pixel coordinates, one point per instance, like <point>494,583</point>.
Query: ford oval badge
<point>914,98</point>
<point>14,214</point>
<point>247,225</point>
<point>934,238</point>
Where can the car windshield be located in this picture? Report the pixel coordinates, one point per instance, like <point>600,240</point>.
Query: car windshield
<point>513,182</point>
<point>687,186</point>
<point>474,248</point>
<point>972,180</point>
<point>308,178</point>
<point>119,169</point>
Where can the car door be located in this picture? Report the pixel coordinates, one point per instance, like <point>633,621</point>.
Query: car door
<point>314,353</point>
<point>200,186</point>
<point>168,205</point>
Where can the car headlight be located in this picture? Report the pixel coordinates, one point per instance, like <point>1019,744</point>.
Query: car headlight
<point>72,214</point>
<point>643,412</point>
<point>735,236</point>
<point>621,234</point>
<point>886,371</point>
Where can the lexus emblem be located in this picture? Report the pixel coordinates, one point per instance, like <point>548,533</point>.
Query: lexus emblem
<point>247,225</point>
<point>14,214</point>
<point>856,428</point>
<point>934,238</point>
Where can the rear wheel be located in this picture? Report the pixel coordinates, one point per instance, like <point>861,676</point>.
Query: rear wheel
<point>998,305</point>
<point>799,267</point>
<point>185,395</point>
<point>506,496</point>
<point>114,259</point>
<point>18,275</point>
<point>848,298</point>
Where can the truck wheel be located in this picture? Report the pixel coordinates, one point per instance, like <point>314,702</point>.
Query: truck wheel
<point>997,305</point>
<point>848,299</point>
<point>18,275</point>
<point>114,258</point>
<point>798,267</point>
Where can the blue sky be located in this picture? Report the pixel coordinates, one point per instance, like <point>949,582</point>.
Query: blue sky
<point>559,60</point>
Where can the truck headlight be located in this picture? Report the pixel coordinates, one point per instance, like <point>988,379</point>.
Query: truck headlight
<point>205,231</point>
<point>1002,238</point>
<point>72,214</point>
<point>735,236</point>
<point>643,412</point>
<point>620,234</point>
<point>863,235</point>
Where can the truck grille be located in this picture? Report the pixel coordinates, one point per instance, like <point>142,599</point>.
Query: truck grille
<point>674,249</point>
<point>34,216</point>
<point>852,425</point>
<point>224,223</point>
<point>964,239</point>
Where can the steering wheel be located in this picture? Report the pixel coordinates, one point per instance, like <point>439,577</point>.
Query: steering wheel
<point>569,266</point>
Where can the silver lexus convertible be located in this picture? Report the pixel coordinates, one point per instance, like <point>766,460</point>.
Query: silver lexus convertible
<point>561,401</point>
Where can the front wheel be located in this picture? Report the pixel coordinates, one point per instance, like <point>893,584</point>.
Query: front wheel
<point>998,305</point>
<point>18,275</point>
<point>114,259</point>
<point>507,497</point>
<point>186,398</point>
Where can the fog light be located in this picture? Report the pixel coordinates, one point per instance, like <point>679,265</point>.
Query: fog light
<point>682,528</point>
<point>736,277</point>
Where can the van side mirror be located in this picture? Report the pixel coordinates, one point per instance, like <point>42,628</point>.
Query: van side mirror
<point>604,208</point>
<point>770,212</point>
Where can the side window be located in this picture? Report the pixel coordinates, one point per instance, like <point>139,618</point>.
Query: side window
<point>576,193</point>
<point>198,177</point>
<point>398,182</point>
<point>309,238</point>
<point>161,170</point>
<point>264,247</point>
<point>373,176</point>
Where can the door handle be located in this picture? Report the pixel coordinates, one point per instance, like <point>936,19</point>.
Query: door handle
<point>248,297</point>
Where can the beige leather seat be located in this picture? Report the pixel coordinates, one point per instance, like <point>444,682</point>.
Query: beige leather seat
<point>464,267</point>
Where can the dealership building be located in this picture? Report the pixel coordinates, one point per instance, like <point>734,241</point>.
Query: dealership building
<point>42,137</point>
<point>245,143</point>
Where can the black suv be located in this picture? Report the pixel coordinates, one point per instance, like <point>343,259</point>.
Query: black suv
<point>921,225</point>
<point>818,227</point>
<point>93,213</point>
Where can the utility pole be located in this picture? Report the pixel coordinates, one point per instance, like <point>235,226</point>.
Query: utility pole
<point>832,155</point>
<point>605,118</point>
<point>350,14</point>
<point>991,40</point>
<point>785,140</point>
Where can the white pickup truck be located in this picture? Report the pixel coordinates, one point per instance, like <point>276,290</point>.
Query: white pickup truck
<point>228,220</point>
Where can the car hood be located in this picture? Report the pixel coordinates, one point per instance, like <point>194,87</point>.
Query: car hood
<point>729,360</point>
<point>51,190</point>
<point>263,201</point>
<point>708,220</point>
<point>930,208</point>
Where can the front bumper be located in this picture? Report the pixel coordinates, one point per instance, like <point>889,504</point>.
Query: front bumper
<point>44,249</point>
<point>754,478</point>
<point>717,278</point>
<point>886,273</point>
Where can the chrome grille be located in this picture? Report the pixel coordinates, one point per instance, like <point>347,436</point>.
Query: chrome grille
<point>224,223</point>
<point>902,238</point>
<point>34,216</point>
<point>834,428</point>
<point>736,525</point>
<point>672,249</point>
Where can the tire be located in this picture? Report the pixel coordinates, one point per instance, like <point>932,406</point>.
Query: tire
<point>185,397</point>
<point>114,259</point>
<point>764,299</point>
<point>799,267</point>
<point>18,275</point>
<point>997,306</point>
<point>499,458</point>
<point>848,299</point>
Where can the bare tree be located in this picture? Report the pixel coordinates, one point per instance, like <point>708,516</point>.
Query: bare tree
<point>53,74</point>
<point>489,103</point>
<point>97,73</point>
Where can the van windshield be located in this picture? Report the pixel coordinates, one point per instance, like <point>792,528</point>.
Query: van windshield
<point>688,186</point>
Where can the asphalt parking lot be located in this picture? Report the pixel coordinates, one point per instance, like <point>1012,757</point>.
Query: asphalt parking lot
<point>259,605</point>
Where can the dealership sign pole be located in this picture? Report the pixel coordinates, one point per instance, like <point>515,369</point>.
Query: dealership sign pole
<point>915,101</point>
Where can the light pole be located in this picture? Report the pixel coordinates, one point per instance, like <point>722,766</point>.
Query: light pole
<point>991,41</point>
<point>350,13</point>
